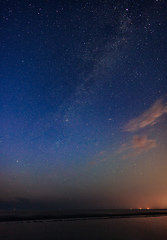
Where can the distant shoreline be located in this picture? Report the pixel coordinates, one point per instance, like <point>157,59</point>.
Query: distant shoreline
<point>79,215</point>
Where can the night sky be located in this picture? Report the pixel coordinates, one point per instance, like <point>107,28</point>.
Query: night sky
<point>83,104</point>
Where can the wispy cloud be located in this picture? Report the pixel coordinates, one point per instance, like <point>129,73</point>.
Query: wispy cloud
<point>139,144</point>
<point>102,156</point>
<point>149,117</point>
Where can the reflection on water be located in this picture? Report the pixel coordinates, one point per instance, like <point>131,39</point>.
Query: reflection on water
<point>122,228</point>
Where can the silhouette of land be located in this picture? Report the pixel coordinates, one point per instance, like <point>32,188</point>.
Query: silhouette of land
<point>75,215</point>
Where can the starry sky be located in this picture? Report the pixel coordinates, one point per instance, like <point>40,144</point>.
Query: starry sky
<point>83,104</point>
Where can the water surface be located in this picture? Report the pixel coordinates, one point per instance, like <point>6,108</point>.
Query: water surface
<point>119,228</point>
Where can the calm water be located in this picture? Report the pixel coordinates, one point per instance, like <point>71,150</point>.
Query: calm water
<point>152,228</point>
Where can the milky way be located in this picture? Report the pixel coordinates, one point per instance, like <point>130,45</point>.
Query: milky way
<point>83,104</point>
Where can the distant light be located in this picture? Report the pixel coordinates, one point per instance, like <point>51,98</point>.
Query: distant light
<point>140,208</point>
<point>148,208</point>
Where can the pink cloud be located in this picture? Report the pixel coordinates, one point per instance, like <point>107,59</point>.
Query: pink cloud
<point>138,145</point>
<point>149,117</point>
<point>141,143</point>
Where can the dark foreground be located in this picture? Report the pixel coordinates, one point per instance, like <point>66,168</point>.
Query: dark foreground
<point>115,228</point>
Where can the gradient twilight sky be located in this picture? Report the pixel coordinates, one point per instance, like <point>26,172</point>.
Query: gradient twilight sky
<point>83,88</point>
